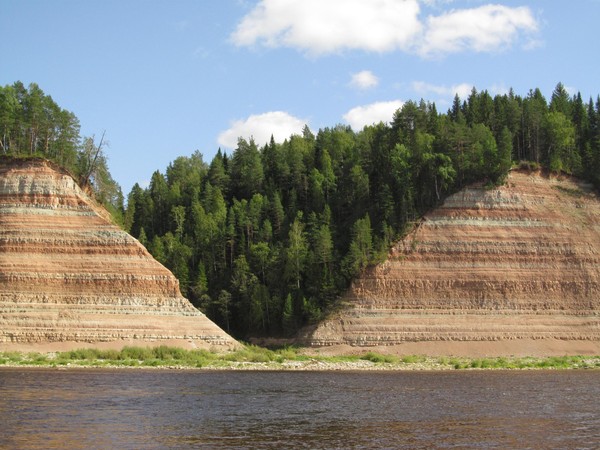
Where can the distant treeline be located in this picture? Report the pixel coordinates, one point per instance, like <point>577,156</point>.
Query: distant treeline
<point>32,124</point>
<point>266,239</point>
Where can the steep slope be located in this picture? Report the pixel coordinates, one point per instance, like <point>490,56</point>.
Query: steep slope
<point>67,275</point>
<point>516,264</point>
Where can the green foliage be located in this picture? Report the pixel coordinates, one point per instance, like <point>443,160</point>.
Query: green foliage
<point>360,252</point>
<point>560,141</point>
<point>246,170</point>
<point>553,362</point>
<point>136,353</point>
<point>33,125</point>
<point>249,355</point>
<point>413,359</point>
<point>288,321</point>
<point>296,252</point>
<point>379,358</point>
<point>252,353</point>
<point>265,240</point>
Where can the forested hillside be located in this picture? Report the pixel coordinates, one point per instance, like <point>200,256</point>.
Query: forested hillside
<point>265,239</point>
<point>33,125</point>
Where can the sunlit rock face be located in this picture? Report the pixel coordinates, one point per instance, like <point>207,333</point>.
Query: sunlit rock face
<point>521,261</point>
<point>67,274</point>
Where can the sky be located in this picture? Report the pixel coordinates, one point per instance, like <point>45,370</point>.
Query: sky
<point>165,78</point>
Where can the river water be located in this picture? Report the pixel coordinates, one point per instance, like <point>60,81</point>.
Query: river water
<point>152,409</point>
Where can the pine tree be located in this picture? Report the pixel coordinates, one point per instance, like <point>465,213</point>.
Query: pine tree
<point>560,141</point>
<point>504,156</point>
<point>361,248</point>
<point>560,100</point>
<point>247,173</point>
<point>296,252</point>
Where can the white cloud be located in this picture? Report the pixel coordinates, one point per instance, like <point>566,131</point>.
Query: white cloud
<point>374,113</point>
<point>425,89</point>
<point>364,80</point>
<point>319,27</point>
<point>435,3</point>
<point>484,29</point>
<point>279,124</point>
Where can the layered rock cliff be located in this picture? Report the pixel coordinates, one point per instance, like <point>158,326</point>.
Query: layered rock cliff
<point>518,262</point>
<point>68,275</point>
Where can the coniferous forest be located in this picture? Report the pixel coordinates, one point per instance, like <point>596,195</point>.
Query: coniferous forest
<point>265,239</point>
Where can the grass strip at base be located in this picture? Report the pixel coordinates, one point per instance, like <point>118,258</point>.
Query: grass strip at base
<point>252,356</point>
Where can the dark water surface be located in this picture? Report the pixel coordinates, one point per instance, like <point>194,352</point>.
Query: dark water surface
<point>141,409</point>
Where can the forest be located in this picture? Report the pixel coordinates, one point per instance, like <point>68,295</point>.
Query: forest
<point>265,240</point>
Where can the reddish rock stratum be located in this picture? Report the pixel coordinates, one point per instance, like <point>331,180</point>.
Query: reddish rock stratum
<point>70,278</point>
<point>510,270</point>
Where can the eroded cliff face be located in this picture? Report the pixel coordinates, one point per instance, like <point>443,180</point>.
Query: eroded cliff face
<point>68,275</point>
<point>518,262</point>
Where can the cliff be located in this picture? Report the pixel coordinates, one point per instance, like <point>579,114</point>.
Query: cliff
<point>68,277</point>
<point>514,265</point>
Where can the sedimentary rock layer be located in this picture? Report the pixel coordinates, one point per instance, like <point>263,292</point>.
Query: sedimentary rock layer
<point>518,262</point>
<point>68,274</point>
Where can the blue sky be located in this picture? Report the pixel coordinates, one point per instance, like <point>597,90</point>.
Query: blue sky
<point>166,78</point>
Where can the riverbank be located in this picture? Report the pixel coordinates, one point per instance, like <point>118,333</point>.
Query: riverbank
<point>285,359</point>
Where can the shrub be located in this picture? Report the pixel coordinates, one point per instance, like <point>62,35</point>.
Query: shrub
<point>168,353</point>
<point>152,363</point>
<point>412,359</point>
<point>378,358</point>
<point>136,353</point>
<point>109,355</point>
<point>252,353</point>
<point>13,357</point>
<point>288,353</point>
<point>89,354</point>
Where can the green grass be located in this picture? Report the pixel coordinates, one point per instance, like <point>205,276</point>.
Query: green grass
<point>573,192</point>
<point>377,358</point>
<point>413,359</point>
<point>553,362</point>
<point>250,355</point>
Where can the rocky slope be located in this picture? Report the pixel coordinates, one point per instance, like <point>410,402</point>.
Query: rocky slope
<point>519,263</point>
<point>68,275</point>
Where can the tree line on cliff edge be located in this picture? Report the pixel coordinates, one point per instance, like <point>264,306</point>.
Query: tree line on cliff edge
<point>266,239</point>
<point>33,125</point>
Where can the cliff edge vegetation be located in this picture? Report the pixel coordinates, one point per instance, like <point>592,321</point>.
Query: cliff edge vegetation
<point>33,125</point>
<point>514,270</point>
<point>69,277</point>
<point>266,240</point>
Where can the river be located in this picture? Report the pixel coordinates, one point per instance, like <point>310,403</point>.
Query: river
<point>155,409</point>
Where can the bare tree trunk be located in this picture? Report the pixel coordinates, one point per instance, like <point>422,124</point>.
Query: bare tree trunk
<point>92,161</point>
